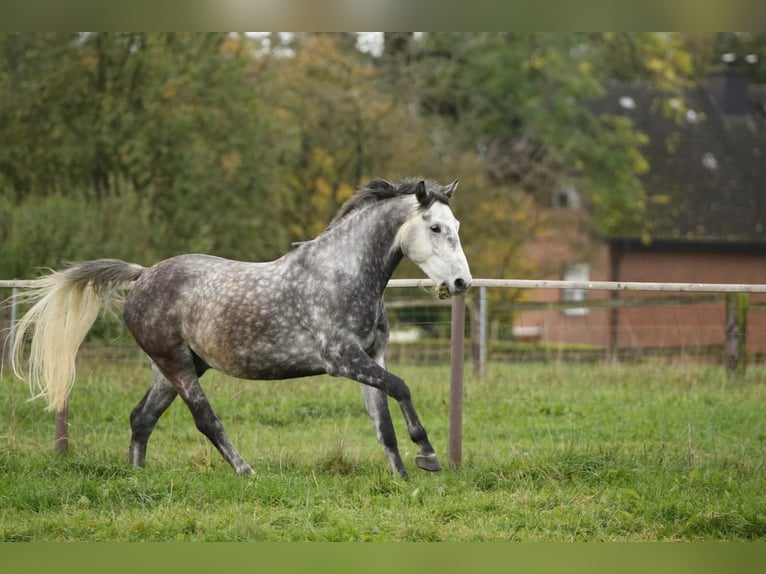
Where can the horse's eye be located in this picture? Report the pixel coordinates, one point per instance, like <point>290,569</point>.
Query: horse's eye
<point>436,228</point>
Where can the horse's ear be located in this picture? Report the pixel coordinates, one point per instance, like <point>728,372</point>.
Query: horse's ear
<point>450,189</point>
<point>421,193</point>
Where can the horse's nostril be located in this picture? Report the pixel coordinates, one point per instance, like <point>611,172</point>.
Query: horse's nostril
<point>460,285</point>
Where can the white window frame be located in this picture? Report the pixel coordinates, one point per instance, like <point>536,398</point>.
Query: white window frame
<point>576,272</point>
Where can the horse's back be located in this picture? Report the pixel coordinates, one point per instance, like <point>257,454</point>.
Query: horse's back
<point>238,317</point>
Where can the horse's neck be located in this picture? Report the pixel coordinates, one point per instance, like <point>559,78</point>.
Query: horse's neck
<point>364,247</point>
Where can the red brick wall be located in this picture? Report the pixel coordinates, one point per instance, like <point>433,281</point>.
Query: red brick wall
<point>674,326</point>
<point>701,324</point>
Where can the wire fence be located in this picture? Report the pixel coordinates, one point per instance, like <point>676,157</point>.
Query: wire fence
<point>724,323</point>
<point>616,321</point>
<point>621,321</point>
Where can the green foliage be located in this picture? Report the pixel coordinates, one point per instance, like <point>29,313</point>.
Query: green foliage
<point>166,126</point>
<point>32,229</point>
<point>709,49</point>
<point>45,232</point>
<point>663,59</point>
<point>525,98</point>
<point>145,145</point>
<point>550,452</point>
<point>336,126</point>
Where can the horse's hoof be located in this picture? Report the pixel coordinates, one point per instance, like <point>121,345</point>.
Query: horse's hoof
<point>428,462</point>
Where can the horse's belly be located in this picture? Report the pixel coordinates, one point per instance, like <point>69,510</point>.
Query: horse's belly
<point>264,363</point>
<point>274,366</point>
<point>278,372</point>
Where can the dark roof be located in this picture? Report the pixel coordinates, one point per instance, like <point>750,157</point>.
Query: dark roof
<point>707,177</point>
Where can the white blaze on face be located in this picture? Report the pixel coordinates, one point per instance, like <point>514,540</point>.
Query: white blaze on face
<point>430,239</point>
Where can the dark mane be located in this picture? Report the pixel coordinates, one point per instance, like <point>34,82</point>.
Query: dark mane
<point>380,189</point>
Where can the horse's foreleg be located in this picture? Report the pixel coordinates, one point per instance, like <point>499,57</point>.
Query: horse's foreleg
<point>352,362</point>
<point>376,402</point>
<point>426,458</point>
<point>144,417</point>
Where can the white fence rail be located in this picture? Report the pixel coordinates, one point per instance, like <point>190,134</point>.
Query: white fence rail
<point>596,285</point>
<point>538,284</point>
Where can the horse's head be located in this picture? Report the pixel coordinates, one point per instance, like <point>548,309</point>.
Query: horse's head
<point>430,239</point>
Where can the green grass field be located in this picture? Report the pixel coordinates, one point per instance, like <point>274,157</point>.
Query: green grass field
<point>550,452</point>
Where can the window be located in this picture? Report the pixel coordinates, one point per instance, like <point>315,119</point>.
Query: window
<point>577,272</point>
<point>566,197</point>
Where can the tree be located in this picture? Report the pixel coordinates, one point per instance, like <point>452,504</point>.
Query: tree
<point>167,123</point>
<point>144,145</point>
<point>744,50</point>
<point>335,127</point>
<point>522,99</point>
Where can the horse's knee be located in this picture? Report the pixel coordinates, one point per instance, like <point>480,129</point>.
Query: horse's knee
<point>397,389</point>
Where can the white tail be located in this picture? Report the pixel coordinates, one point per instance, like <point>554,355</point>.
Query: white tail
<point>65,304</point>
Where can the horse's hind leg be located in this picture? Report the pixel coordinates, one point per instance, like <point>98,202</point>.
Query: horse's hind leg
<point>179,368</point>
<point>144,417</point>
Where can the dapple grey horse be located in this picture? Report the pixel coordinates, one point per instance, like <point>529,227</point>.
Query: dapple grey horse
<point>317,309</point>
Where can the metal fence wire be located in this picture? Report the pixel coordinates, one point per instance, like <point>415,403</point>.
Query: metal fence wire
<point>449,328</point>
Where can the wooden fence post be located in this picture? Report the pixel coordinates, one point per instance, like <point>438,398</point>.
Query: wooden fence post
<point>483,342</point>
<point>8,351</point>
<point>61,438</point>
<point>736,333</point>
<point>480,332</point>
<point>457,350</point>
<point>475,319</point>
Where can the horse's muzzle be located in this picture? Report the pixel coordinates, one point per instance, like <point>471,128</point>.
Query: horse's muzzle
<point>458,287</point>
<point>461,286</point>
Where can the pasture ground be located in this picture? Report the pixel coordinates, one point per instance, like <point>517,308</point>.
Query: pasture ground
<point>550,453</point>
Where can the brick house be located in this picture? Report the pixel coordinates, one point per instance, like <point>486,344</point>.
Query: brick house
<point>707,206</point>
